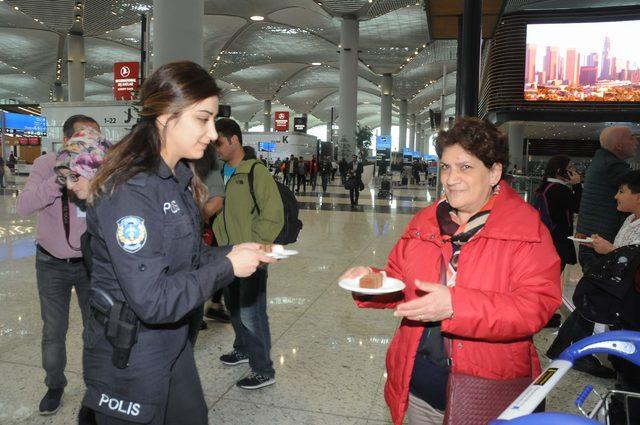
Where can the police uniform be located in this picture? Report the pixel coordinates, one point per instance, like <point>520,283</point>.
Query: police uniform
<point>147,251</point>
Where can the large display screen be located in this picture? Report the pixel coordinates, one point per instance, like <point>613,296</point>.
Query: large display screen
<point>583,62</point>
<point>20,124</point>
<point>266,146</point>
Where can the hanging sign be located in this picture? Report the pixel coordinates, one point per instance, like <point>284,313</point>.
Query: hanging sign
<point>125,80</point>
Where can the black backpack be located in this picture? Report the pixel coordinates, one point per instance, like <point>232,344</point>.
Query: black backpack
<point>292,225</point>
<point>542,205</point>
<point>607,293</point>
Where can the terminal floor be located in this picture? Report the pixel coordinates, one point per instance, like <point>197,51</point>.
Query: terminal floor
<point>328,355</point>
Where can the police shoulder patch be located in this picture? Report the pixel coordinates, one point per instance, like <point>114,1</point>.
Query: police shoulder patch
<point>131,233</point>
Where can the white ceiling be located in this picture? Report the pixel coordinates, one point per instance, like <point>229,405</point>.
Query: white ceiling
<point>258,60</point>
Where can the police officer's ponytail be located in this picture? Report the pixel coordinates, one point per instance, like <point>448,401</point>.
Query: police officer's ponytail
<point>171,89</point>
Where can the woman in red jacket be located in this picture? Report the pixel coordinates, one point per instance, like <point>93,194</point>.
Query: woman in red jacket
<point>482,277</point>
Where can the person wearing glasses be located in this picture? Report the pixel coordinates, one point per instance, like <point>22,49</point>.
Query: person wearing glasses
<point>59,265</point>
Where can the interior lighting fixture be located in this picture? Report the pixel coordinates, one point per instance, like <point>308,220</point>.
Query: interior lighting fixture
<point>257,18</point>
<point>316,63</point>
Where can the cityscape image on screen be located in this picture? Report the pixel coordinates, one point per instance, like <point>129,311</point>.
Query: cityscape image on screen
<point>583,62</point>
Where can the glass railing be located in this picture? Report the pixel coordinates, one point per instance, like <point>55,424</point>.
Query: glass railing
<point>524,185</point>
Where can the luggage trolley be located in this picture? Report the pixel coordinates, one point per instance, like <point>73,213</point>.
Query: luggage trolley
<point>624,344</point>
<point>385,188</point>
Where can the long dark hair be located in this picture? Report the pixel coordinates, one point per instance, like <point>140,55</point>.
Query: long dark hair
<point>208,163</point>
<point>555,164</point>
<point>171,89</point>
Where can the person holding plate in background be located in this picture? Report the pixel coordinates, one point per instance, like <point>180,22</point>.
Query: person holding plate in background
<point>482,277</point>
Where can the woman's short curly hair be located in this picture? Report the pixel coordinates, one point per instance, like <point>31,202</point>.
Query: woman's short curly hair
<point>480,138</point>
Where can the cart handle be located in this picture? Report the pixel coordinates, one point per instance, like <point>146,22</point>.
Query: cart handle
<point>547,418</point>
<point>624,344</point>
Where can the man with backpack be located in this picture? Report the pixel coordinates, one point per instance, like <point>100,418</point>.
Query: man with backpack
<point>253,212</point>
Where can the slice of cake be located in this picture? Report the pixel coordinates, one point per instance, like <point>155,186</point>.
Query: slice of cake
<point>371,281</point>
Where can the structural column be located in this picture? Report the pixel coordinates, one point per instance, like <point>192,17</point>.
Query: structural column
<point>443,106</point>
<point>412,132</point>
<point>177,31</point>
<point>75,67</point>
<point>246,126</point>
<point>266,117</point>
<point>348,84</point>
<point>516,144</point>
<point>420,139</point>
<point>469,59</point>
<point>402,140</point>
<point>385,109</point>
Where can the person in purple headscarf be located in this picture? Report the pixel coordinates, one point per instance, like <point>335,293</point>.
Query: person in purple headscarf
<point>79,159</point>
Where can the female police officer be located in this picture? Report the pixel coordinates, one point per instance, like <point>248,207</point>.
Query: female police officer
<point>150,267</point>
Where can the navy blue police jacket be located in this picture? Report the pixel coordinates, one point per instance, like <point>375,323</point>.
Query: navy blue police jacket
<point>147,250</point>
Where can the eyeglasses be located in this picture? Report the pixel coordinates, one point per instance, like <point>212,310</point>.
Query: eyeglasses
<point>62,179</point>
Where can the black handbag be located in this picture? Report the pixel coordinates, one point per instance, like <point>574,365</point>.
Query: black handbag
<point>607,292</point>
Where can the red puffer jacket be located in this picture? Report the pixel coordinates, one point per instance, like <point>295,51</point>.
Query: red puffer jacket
<point>507,288</point>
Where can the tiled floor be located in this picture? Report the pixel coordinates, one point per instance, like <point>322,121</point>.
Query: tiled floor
<point>329,356</point>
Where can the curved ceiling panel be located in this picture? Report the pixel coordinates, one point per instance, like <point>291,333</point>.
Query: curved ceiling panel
<point>430,96</point>
<point>403,27</point>
<point>264,81</point>
<point>25,86</point>
<point>216,32</point>
<point>313,21</point>
<point>94,88</point>
<point>305,100</point>
<point>9,17</point>
<point>33,52</point>
<point>250,8</point>
<point>321,77</point>
<point>380,7</point>
<point>425,67</point>
<point>274,43</point>
<point>237,98</point>
<point>128,35</point>
<point>388,40</point>
<point>105,79</point>
<point>101,55</point>
<point>342,7</point>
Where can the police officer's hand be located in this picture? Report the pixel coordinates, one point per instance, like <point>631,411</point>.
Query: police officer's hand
<point>249,245</point>
<point>245,261</point>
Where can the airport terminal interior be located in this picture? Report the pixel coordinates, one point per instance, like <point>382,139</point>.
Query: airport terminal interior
<point>323,78</point>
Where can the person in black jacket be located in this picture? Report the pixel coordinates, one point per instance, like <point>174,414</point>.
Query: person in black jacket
<point>354,181</point>
<point>151,268</point>
<point>562,188</point>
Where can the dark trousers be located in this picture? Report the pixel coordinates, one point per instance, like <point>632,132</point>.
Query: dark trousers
<point>302,179</point>
<point>575,327</point>
<point>354,194</point>
<point>185,403</point>
<point>325,182</point>
<point>246,300</point>
<point>55,279</point>
<point>292,180</point>
<point>313,178</point>
<point>343,178</point>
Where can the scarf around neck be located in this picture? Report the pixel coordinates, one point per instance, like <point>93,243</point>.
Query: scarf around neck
<point>458,234</point>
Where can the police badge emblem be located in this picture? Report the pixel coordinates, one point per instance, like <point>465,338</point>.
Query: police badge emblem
<point>131,233</point>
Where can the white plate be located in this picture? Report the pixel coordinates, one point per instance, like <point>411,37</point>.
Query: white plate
<point>281,250</point>
<point>389,284</point>
<point>585,240</point>
<point>276,255</point>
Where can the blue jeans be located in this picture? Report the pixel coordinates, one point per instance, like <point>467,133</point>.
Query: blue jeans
<point>55,279</point>
<point>246,300</point>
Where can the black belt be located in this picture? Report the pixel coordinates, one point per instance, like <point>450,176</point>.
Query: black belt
<point>65,260</point>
